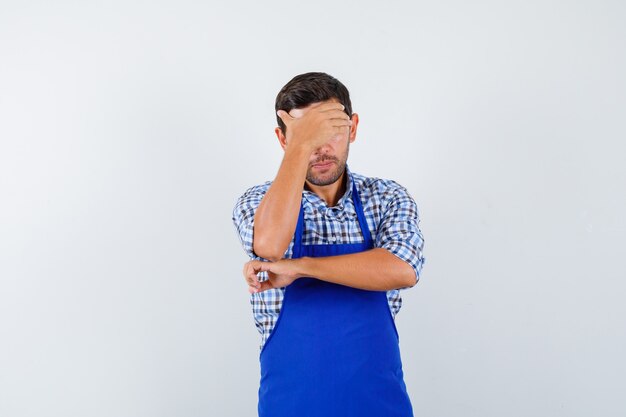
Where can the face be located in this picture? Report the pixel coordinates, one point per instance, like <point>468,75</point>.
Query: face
<point>328,162</point>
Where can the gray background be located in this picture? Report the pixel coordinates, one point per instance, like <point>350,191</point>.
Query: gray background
<point>128,130</point>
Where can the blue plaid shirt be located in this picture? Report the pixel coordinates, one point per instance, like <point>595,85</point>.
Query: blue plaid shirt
<point>391,215</point>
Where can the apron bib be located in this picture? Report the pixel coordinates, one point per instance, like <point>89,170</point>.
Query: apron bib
<point>334,349</point>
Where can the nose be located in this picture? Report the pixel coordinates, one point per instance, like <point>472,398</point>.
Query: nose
<point>326,147</point>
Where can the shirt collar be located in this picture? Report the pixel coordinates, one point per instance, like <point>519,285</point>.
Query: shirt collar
<point>347,195</point>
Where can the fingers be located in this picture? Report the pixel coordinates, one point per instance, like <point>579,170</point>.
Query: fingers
<point>297,113</point>
<point>337,124</point>
<point>284,116</point>
<point>250,273</point>
<point>336,114</point>
<point>340,122</point>
<point>265,285</point>
<point>330,106</point>
<point>330,110</point>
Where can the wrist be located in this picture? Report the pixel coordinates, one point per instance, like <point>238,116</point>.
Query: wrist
<point>300,267</point>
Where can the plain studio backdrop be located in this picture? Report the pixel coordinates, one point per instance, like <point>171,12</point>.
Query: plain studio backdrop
<point>129,129</point>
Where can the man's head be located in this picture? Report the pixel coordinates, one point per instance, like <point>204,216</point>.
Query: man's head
<point>307,91</point>
<point>309,88</point>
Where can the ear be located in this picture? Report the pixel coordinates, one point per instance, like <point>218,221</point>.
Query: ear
<point>281,137</point>
<point>355,122</point>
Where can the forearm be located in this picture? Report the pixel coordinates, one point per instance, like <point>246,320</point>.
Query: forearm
<point>277,215</point>
<point>375,269</point>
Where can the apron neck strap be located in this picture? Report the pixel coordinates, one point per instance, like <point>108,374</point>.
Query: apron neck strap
<point>367,236</point>
<point>356,199</point>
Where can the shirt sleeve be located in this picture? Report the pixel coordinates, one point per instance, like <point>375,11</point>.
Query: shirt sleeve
<point>399,231</point>
<point>243,217</point>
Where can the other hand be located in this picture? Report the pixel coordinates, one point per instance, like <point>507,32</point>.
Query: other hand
<point>280,274</point>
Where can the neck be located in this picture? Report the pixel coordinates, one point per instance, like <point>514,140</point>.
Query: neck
<point>330,193</point>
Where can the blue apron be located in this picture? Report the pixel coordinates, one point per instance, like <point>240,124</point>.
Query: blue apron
<point>334,349</point>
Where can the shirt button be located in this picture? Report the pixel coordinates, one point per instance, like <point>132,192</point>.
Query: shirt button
<point>332,238</point>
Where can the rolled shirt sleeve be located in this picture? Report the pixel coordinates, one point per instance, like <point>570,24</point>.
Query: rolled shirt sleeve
<point>243,216</point>
<point>399,232</point>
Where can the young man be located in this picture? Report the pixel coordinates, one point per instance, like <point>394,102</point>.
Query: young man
<point>330,251</point>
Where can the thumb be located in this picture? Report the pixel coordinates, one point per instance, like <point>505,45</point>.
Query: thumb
<point>284,116</point>
<point>265,285</point>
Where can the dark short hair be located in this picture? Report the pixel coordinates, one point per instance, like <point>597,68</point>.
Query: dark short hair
<point>308,88</point>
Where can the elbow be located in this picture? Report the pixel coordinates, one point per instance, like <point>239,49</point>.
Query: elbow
<point>268,250</point>
<point>404,275</point>
<point>409,278</point>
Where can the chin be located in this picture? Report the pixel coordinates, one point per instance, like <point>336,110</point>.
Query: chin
<point>326,179</point>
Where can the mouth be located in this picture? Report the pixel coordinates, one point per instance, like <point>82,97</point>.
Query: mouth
<point>323,164</point>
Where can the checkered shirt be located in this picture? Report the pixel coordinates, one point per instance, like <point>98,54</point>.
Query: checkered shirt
<point>391,214</point>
